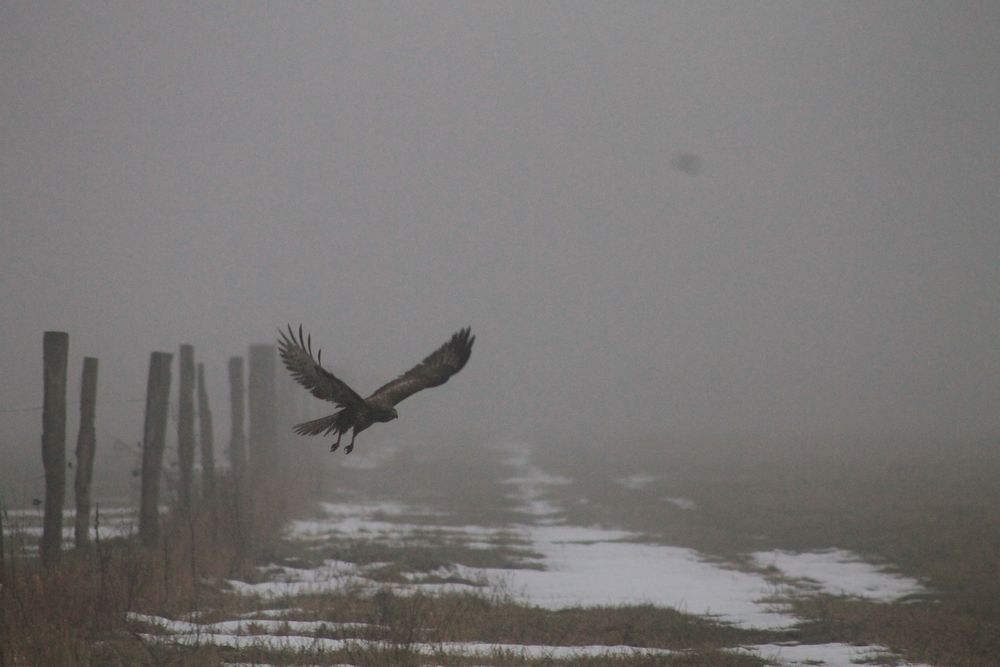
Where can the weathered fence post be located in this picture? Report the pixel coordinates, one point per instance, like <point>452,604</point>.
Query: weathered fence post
<point>237,438</point>
<point>206,437</point>
<point>55,346</point>
<point>153,439</point>
<point>185,426</point>
<point>262,413</point>
<point>238,460</point>
<point>289,467</point>
<point>3,558</point>
<point>86,443</point>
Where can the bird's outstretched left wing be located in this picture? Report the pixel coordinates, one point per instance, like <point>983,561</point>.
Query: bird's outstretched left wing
<point>434,370</point>
<point>309,372</point>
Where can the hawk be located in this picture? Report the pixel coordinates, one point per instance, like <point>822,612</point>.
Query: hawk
<point>359,413</point>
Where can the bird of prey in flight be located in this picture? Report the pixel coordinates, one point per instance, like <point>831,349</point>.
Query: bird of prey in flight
<point>359,413</point>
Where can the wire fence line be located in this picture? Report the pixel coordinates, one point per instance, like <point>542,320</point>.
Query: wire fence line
<point>39,408</point>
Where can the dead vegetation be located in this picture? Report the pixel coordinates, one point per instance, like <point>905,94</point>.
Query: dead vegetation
<point>73,613</point>
<point>932,515</point>
<point>931,509</point>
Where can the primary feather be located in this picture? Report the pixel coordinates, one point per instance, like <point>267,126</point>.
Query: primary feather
<point>434,370</point>
<point>309,372</point>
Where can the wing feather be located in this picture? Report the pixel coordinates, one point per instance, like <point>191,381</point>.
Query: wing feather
<point>434,370</point>
<point>309,372</point>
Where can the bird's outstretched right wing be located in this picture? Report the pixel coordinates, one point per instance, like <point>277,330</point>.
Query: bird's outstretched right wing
<point>434,370</point>
<point>309,372</point>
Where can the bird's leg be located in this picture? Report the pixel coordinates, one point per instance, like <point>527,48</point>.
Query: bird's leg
<point>350,447</point>
<point>334,446</point>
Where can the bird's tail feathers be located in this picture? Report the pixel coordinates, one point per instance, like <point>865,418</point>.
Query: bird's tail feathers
<point>337,422</point>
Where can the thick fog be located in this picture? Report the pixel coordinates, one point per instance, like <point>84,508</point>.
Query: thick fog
<point>659,219</point>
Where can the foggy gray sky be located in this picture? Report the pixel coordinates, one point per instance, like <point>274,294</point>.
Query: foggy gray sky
<point>388,173</point>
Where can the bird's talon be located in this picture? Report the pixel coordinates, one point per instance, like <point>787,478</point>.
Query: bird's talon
<point>348,449</point>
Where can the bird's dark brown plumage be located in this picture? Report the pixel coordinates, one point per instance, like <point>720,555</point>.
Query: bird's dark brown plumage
<point>359,413</point>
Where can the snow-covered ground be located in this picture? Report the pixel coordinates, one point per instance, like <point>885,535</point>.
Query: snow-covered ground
<point>575,566</point>
<point>599,567</point>
<point>108,519</point>
<point>839,572</point>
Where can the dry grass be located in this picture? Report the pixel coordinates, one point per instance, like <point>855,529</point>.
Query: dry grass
<point>931,509</point>
<point>492,616</point>
<point>74,612</point>
<point>402,627</point>
<point>931,633</point>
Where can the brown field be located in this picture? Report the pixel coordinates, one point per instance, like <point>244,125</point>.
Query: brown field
<point>929,510</point>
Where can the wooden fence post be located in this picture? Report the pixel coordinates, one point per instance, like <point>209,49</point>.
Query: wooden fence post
<point>86,443</point>
<point>185,427</point>
<point>206,437</point>
<point>290,467</point>
<point>153,439</point>
<point>55,353</point>
<point>3,560</point>
<point>237,438</point>
<point>262,415</point>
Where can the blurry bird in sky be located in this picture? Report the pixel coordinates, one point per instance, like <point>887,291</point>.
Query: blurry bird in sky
<point>689,163</point>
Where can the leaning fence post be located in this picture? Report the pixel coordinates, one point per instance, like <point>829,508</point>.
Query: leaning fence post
<point>55,346</point>
<point>153,439</point>
<point>86,443</point>
<point>206,437</point>
<point>185,426</point>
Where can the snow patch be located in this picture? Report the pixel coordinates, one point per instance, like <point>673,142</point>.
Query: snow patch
<point>637,481</point>
<point>839,572</point>
<point>820,655</point>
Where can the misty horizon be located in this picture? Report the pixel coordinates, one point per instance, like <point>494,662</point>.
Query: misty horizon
<point>673,220</point>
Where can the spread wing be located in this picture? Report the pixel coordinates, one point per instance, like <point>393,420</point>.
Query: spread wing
<point>435,370</point>
<point>309,372</point>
